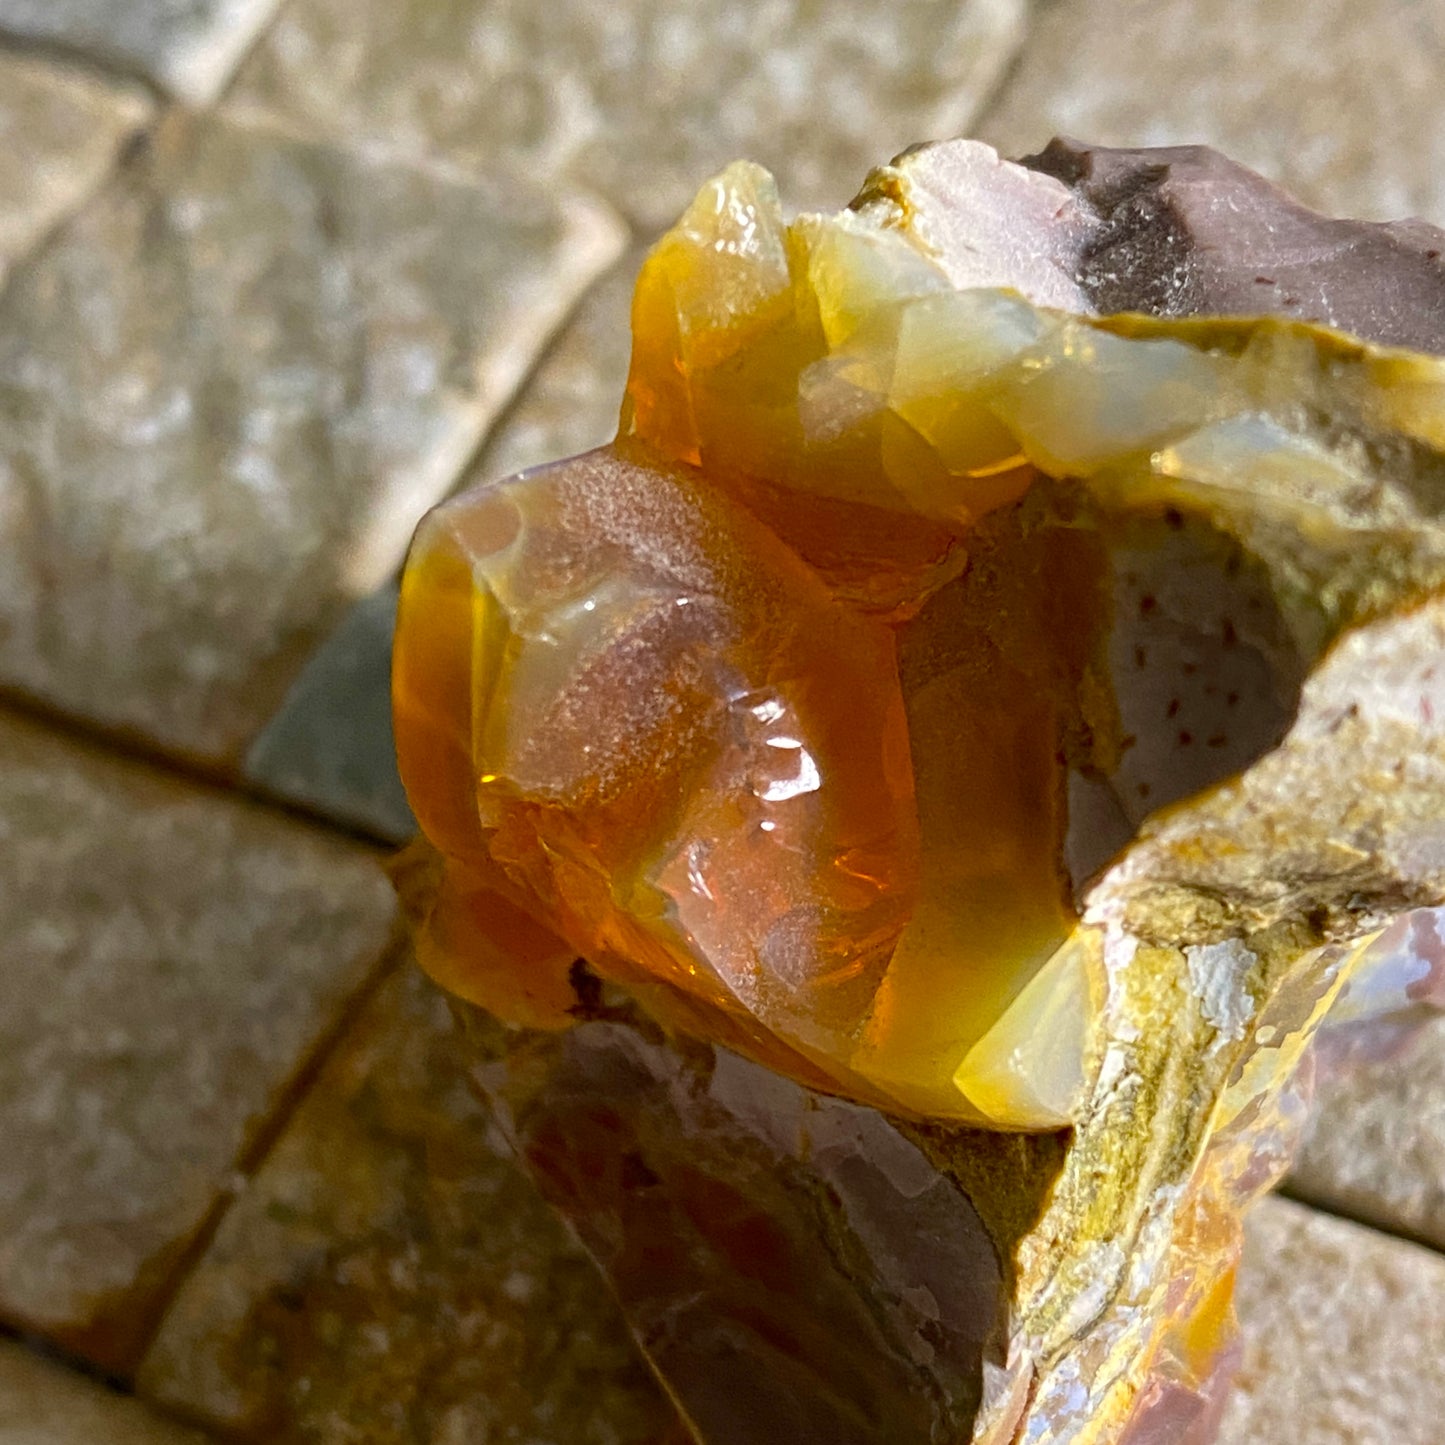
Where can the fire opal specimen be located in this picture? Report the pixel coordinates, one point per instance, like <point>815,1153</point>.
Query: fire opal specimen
<point>900,814</point>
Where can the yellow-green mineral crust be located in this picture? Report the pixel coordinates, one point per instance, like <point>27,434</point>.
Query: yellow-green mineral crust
<point>1006,718</point>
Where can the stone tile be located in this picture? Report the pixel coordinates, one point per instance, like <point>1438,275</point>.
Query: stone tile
<point>60,132</point>
<point>1344,1335</point>
<point>190,47</point>
<point>1295,91</point>
<point>572,401</point>
<point>1375,1146</point>
<point>330,747</point>
<point>645,100</point>
<point>45,1404</point>
<point>227,392</point>
<point>390,1276</point>
<point>169,956</point>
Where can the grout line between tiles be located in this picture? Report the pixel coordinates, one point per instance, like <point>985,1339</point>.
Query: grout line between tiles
<point>125,746</point>
<point>263,31</point>
<point>50,1353</point>
<point>125,153</point>
<point>549,348</point>
<point>1376,1225</point>
<point>78,57</point>
<point>294,1092</point>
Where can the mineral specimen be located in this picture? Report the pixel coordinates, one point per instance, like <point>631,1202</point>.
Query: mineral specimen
<point>991,684</point>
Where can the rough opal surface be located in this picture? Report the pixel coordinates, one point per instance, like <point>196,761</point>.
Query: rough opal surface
<point>903,811</point>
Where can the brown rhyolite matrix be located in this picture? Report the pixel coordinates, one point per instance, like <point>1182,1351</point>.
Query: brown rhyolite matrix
<point>906,807</point>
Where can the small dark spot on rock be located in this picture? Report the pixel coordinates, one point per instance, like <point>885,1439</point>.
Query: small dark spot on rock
<point>1148,604</point>
<point>1218,740</point>
<point>1186,738</point>
<point>1141,657</point>
<point>1231,699</point>
<point>587,986</point>
<point>1264,280</point>
<point>1231,637</point>
<point>1173,708</point>
<point>1143,790</point>
<point>635,1173</point>
<point>1173,518</point>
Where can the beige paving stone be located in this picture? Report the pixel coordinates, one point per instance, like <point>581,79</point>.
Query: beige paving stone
<point>190,47</point>
<point>45,1404</point>
<point>60,132</point>
<point>227,392</point>
<point>169,956</point>
<point>572,401</point>
<point>1338,100</point>
<point>1344,1335</point>
<point>1375,1147</point>
<point>389,1276</point>
<point>643,100</point>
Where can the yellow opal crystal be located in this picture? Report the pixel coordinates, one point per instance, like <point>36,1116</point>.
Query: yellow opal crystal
<point>775,702</point>
<point>987,711</point>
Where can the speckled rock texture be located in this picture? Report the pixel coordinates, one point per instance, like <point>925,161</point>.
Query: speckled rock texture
<point>1375,1147</point>
<point>639,100</point>
<point>1344,1335</point>
<point>170,958</point>
<point>390,1276</point>
<point>227,390</point>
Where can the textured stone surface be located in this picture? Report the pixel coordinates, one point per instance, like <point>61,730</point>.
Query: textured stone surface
<point>642,100</point>
<point>169,958</point>
<point>1344,1335</point>
<point>45,1404</point>
<point>390,1276</point>
<point>1375,1148</point>
<point>60,131</point>
<point>1184,231</point>
<point>188,46</point>
<point>572,401</point>
<point>1349,128</point>
<point>225,395</point>
<point>330,747</point>
<point>798,1267</point>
